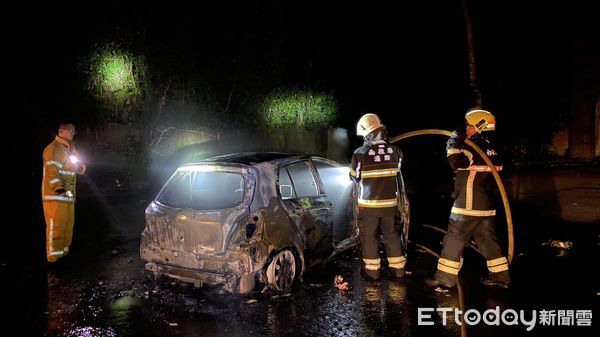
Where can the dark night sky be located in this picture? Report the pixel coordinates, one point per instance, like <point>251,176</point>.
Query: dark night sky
<point>405,61</point>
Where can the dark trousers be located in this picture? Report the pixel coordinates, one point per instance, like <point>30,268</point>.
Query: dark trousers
<point>460,230</point>
<point>370,225</point>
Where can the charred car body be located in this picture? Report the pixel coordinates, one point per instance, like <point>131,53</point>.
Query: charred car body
<point>238,219</point>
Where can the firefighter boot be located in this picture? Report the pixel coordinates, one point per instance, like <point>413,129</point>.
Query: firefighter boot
<point>372,274</point>
<point>398,272</point>
<point>501,279</point>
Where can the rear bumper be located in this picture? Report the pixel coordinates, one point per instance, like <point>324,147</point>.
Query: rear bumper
<point>199,278</point>
<point>241,284</point>
<point>233,270</point>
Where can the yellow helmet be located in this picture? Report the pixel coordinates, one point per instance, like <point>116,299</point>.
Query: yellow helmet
<point>482,120</point>
<point>367,124</point>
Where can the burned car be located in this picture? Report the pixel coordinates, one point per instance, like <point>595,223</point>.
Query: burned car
<point>242,219</point>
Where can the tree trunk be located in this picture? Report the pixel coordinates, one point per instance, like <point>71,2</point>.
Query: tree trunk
<point>471,55</point>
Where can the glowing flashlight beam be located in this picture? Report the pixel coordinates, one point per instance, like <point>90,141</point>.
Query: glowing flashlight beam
<point>337,175</point>
<point>343,176</point>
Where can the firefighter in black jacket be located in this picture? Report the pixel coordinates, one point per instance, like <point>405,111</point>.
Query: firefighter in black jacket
<point>375,167</point>
<point>473,212</point>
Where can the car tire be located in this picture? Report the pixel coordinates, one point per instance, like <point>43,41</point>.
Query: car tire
<point>282,271</point>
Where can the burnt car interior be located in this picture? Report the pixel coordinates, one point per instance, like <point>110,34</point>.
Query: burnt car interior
<point>204,190</point>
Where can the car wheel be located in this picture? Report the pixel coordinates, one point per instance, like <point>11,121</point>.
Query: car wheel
<point>281,272</point>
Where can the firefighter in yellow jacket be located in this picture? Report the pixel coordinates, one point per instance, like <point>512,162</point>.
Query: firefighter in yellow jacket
<point>473,212</point>
<point>61,165</point>
<point>375,167</point>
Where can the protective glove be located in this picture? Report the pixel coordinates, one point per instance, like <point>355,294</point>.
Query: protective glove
<point>456,141</point>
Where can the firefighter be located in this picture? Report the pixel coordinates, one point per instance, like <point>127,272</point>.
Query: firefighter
<point>61,164</point>
<point>374,168</point>
<point>473,212</point>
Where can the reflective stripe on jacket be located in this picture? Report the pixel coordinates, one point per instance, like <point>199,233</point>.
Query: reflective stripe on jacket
<point>375,167</point>
<point>474,187</point>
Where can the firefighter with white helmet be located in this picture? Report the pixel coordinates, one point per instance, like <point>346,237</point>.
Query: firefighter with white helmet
<point>374,167</point>
<point>473,212</point>
<point>367,124</point>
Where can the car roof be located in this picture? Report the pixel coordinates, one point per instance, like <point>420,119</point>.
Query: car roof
<point>250,158</point>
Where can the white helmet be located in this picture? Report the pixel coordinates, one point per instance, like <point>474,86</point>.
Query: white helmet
<point>367,124</point>
<point>481,119</point>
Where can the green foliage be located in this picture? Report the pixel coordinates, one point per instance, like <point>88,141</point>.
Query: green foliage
<point>117,76</point>
<point>116,79</point>
<point>292,108</point>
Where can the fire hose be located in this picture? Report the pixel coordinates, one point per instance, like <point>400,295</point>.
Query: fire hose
<point>509,223</point>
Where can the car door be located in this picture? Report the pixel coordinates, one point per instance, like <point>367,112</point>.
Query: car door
<point>308,207</point>
<point>403,217</point>
<point>338,188</point>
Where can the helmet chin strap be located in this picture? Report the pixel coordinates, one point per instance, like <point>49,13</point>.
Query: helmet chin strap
<point>379,133</point>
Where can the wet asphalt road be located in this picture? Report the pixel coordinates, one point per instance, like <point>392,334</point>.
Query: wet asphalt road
<point>101,289</point>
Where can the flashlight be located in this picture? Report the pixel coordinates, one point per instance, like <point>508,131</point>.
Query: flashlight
<point>73,159</point>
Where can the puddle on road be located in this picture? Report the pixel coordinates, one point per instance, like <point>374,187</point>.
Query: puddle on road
<point>121,308</point>
<point>89,331</point>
